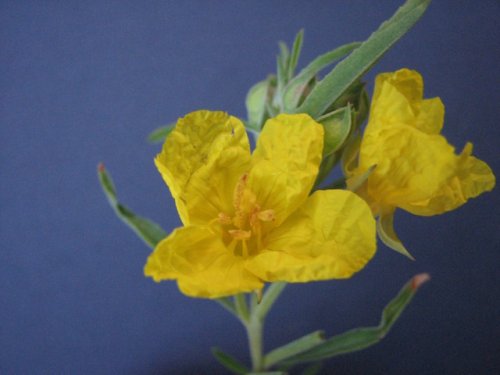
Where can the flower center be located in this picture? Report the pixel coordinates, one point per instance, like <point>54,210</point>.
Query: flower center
<point>244,231</point>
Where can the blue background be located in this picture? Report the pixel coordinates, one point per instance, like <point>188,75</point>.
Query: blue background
<point>83,82</point>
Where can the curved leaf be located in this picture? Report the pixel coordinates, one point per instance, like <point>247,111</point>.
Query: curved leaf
<point>229,362</point>
<point>363,58</point>
<point>294,89</point>
<point>361,338</point>
<point>150,232</point>
<point>158,135</point>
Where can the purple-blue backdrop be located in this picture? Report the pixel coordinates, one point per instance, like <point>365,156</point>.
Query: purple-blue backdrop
<point>83,82</point>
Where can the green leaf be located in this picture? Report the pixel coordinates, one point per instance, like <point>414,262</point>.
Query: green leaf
<point>158,135</point>
<point>350,96</point>
<point>294,89</point>
<point>268,373</point>
<point>385,230</point>
<point>256,102</point>
<point>150,232</point>
<point>281,77</point>
<point>363,58</point>
<point>362,338</point>
<point>361,113</point>
<point>229,362</point>
<point>295,347</point>
<point>295,54</point>
<point>285,56</point>
<point>269,298</point>
<point>337,126</point>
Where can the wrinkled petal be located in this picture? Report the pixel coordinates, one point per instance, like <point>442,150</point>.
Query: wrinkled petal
<point>184,251</point>
<point>331,236</point>
<point>225,277</point>
<point>416,168</point>
<point>472,178</point>
<point>203,266</point>
<point>410,165</point>
<point>398,98</point>
<point>201,161</point>
<point>285,163</point>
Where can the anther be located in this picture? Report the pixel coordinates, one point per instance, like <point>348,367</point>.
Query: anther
<point>267,215</point>
<point>224,219</point>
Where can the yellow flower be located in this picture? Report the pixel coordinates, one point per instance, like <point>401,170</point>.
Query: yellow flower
<point>248,219</point>
<point>416,169</point>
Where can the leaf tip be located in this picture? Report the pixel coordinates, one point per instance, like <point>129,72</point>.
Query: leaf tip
<point>100,167</point>
<point>418,280</point>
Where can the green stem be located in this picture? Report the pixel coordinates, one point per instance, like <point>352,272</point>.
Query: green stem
<point>255,323</point>
<point>255,328</point>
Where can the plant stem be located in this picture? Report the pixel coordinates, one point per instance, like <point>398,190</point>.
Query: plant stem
<point>255,329</point>
<point>255,323</point>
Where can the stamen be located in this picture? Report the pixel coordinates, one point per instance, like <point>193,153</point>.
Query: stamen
<point>244,250</point>
<point>224,219</point>
<point>239,190</point>
<point>267,215</point>
<point>240,234</point>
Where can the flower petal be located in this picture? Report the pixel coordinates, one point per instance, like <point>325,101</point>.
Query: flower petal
<point>410,165</point>
<point>416,168</point>
<point>203,266</point>
<point>285,163</point>
<point>226,276</point>
<point>201,161</point>
<point>184,251</point>
<point>472,178</point>
<point>398,98</point>
<point>331,236</point>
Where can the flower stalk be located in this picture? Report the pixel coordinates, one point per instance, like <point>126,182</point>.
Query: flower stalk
<point>253,319</point>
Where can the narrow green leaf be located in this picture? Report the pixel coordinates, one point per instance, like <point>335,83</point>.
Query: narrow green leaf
<point>158,135</point>
<point>361,338</point>
<point>150,232</point>
<point>268,373</point>
<point>241,305</point>
<point>256,102</point>
<point>295,54</point>
<point>337,126</point>
<point>385,230</point>
<point>363,58</point>
<point>294,89</point>
<point>350,96</point>
<point>269,298</point>
<point>285,56</point>
<point>281,77</point>
<point>295,347</point>
<point>229,362</point>
<point>361,113</point>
